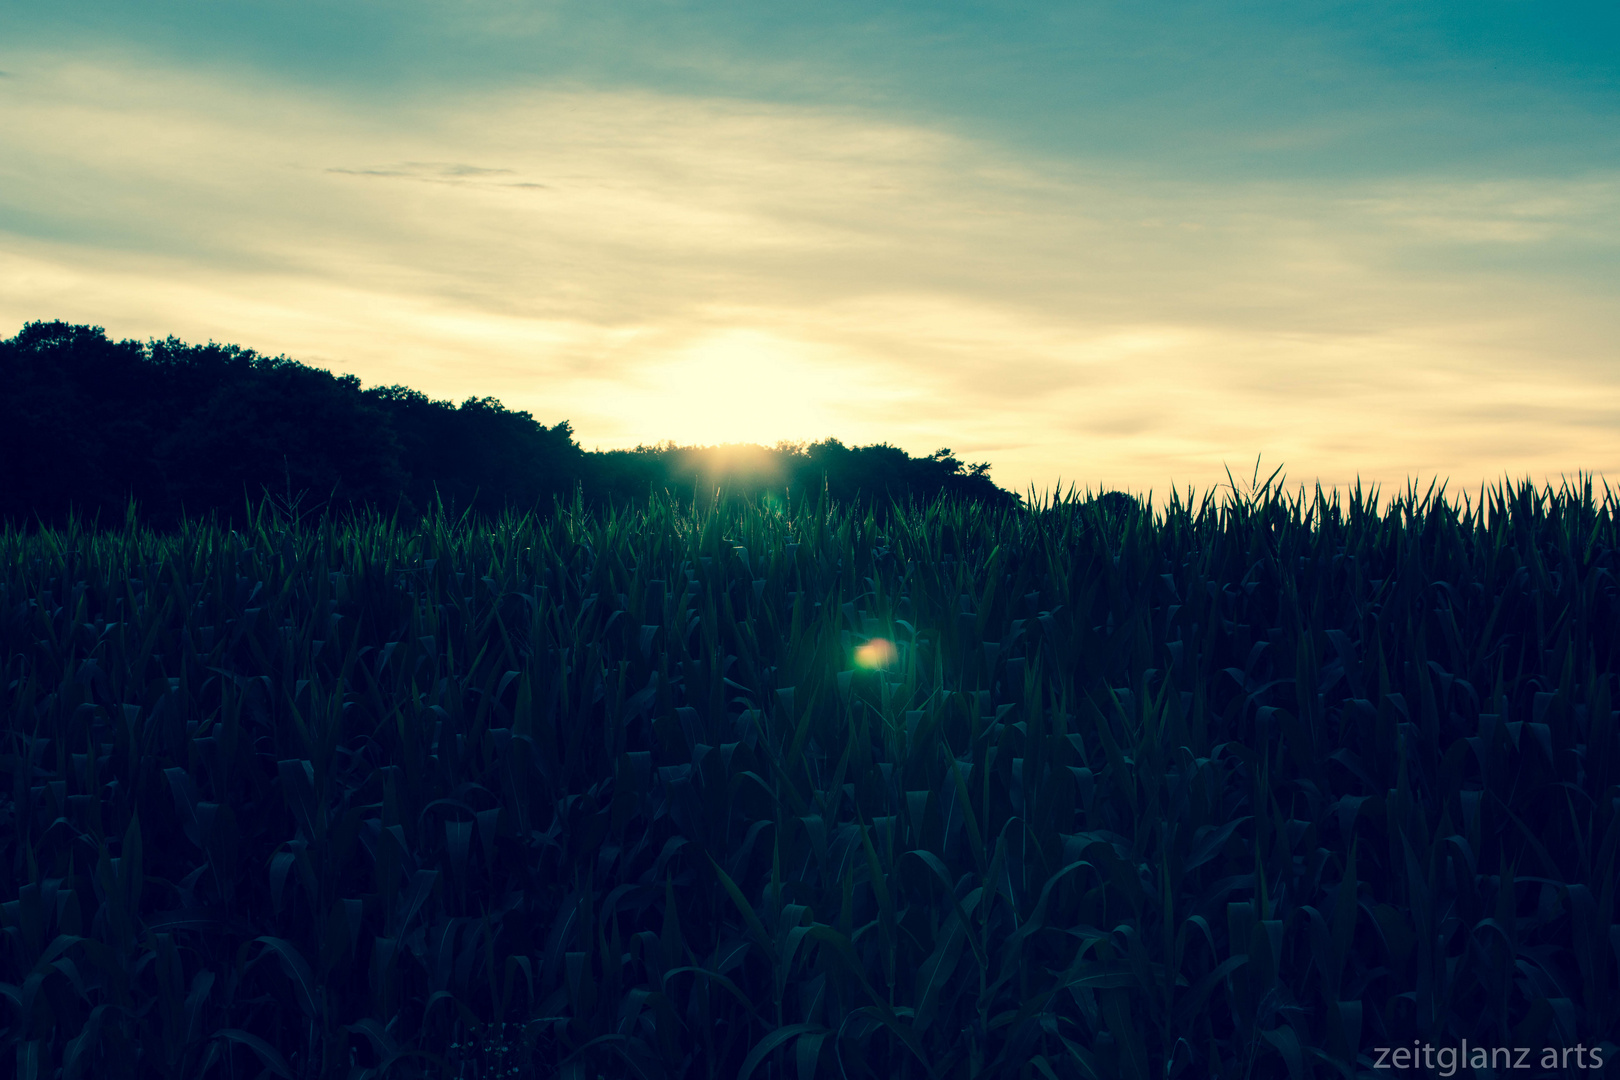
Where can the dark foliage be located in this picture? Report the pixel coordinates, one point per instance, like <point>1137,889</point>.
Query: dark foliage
<point>91,424</point>
<point>87,423</point>
<point>1244,793</point>
<point>482,456</point>
<point>878,476</point>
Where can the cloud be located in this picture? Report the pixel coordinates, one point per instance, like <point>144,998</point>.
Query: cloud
<point>655,266</point>
<point>439,172</point>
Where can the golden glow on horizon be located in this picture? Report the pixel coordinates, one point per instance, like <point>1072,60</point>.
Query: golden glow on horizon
<point>658,268</point>
<point>742,386</point>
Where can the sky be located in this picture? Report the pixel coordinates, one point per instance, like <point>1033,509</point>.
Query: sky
<point>1117,245</point>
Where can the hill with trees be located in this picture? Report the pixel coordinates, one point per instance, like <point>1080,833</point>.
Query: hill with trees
<point>88,423</point>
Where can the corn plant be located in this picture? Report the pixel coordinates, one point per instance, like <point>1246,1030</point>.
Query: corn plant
<point>1079,788</point>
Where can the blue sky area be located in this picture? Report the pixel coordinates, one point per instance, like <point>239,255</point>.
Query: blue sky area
<point>1118,243</point>
<point>1274,89</point>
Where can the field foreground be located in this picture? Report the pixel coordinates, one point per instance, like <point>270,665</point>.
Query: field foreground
<point>1253,790</point>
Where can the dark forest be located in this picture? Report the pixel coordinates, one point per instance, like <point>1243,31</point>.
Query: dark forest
<point>88,423</point>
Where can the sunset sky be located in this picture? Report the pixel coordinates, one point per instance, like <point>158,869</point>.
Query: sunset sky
<point>1120,244</point>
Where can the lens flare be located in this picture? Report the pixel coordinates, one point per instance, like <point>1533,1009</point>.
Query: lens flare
<point>877,653</point>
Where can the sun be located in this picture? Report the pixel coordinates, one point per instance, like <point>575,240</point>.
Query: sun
<point>737,385</point>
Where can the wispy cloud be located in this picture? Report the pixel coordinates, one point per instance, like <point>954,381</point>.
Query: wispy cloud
<point>433,172</point>
<point>658,266</point>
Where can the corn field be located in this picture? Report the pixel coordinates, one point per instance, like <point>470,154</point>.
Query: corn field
<point>1079,789</point>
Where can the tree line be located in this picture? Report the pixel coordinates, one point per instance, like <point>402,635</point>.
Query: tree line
<point>88,424</point>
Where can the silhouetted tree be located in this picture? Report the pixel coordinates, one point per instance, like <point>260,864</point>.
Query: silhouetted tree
<point>482,456</point>
<point>286,428</point>
<point>87,423</point>
<point>76,426</point>
<point>867,474</point>
<point>90,423</point>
